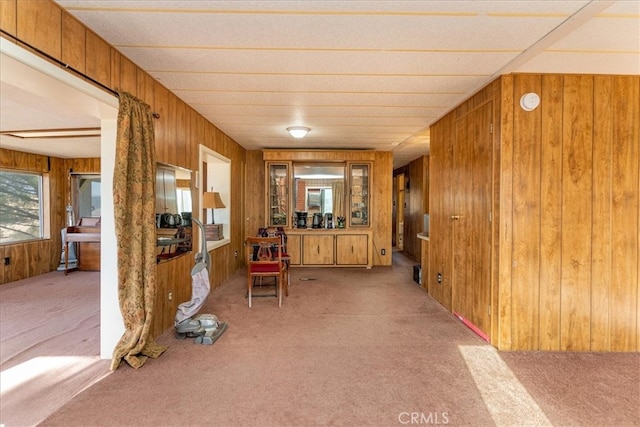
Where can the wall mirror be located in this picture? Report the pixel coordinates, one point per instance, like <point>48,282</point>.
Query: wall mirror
<point>173,192</point>
<point>86,195</point>
<point>319,188</point>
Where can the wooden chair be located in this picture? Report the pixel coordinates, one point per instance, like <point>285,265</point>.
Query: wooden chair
<point>264,259</point>
<point>286,258</point>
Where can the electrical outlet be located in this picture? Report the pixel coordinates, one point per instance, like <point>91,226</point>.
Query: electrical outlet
<point>235,254</point>
<point>7,260</point>
<point>383,251</point>
<point>170,296</point>
<point>440,278</point>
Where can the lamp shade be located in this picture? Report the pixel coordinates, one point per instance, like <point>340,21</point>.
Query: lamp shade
<point>298,131</point>
<point>212,201</point>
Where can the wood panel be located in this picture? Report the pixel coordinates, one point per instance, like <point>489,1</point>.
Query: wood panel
<point>98,59</point>
<point>181,155</point>
<point>624,214</point>
<point>8,18</point>
<point>145,88</point>
<point>254,205</point>
<point>577,114</point>
<point>441,207</point>
<point>39,24</point>
<point>171,130</point>
<point>526,217</point>
<point>503,202</point>
<point>73,43</point>
<point>127,76</point>
<point>601,206</point>
<point>381,188</point>
<point>550,212</point>
<point>161,106</point>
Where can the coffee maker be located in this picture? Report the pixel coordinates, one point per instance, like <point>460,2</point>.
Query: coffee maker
<point>328,220</point>
<point>317,220</point>
<point>301,219</point>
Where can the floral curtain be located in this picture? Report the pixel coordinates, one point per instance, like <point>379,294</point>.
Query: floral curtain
<point>134,180</point>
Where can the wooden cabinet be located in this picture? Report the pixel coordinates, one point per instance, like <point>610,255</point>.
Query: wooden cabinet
<point>278,197</point>
<point>294,249</point>
<point>330,248</point>
<point>317,249</point>
<point>359,194</point>
<point>351,249</point>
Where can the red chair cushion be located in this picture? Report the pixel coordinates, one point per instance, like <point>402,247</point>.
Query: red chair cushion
<point>264,268</point>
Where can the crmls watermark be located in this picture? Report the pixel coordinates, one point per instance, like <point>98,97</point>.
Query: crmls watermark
<point>424,418</point>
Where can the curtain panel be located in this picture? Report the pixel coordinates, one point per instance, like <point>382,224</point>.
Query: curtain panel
<point>134,208</point>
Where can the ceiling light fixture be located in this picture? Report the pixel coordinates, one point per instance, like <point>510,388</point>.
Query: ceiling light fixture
<point>298,131</point>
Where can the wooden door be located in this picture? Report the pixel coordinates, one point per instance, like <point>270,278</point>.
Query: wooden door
<point>471,219</point>
<point>352,249</point>
<point>293,248</point>
<point>317,250</point>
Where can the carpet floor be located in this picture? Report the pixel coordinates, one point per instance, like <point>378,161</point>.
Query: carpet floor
<point>354,347</point>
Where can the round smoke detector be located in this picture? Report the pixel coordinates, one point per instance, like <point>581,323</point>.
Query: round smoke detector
<point>529,101</point>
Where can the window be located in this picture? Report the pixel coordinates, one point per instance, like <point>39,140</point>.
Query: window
<point>21,207</point>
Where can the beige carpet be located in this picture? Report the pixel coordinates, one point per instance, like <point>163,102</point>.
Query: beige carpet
<point>355,347</point>
<point>49,344</point>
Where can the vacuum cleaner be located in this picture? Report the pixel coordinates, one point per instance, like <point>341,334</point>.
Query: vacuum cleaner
<point>205,328</point>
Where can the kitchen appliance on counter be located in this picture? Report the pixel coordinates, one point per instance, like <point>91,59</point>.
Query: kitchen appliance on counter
<point>317,220</point>
<point>328,220</point>
<point>301,219</point>
<point>168,220</point>
<point>186,219</point>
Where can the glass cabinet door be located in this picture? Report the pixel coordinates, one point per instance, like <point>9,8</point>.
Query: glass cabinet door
<point>359,194</point>
<point>278,194</point>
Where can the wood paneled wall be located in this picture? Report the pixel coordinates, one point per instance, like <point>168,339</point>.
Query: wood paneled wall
<point>48,28</point>
<point>566,212</point>
<point>41,256</point>
<point>572,280</point>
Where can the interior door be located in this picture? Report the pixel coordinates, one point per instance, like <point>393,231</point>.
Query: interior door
<point>471,219</point>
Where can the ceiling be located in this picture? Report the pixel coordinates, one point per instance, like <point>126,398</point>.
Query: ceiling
<point>360,74</point>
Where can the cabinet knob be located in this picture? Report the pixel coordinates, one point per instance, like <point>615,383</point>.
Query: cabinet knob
<point>456,217</point>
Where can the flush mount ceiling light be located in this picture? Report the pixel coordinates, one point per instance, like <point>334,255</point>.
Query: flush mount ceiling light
<point>298,131</point>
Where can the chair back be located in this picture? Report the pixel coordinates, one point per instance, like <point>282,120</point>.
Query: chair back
<point>264,250</point>
<point>275,232</point>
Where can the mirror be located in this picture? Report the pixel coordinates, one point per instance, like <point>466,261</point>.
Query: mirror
<point>173,191</point>
<point>319,188</point>
<point>86,195</point>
